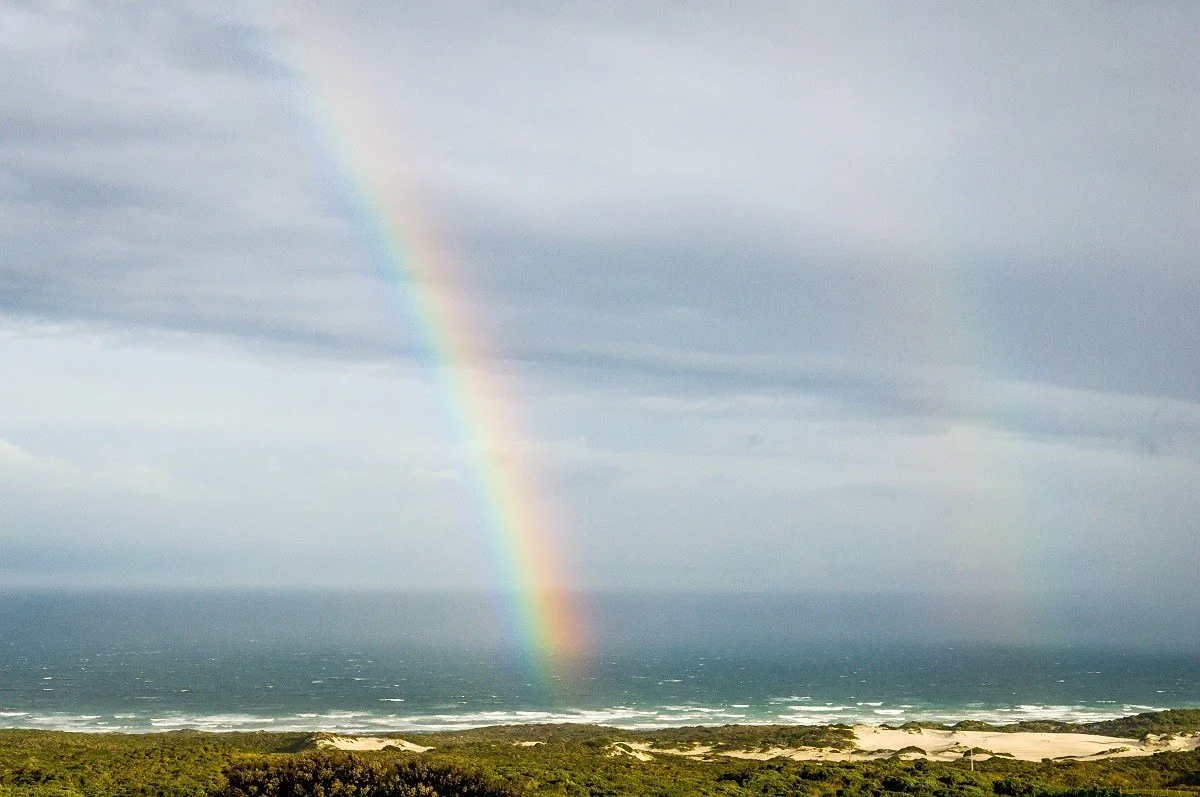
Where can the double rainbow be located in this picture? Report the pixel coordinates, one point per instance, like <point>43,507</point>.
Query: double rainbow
<point>515,518</point>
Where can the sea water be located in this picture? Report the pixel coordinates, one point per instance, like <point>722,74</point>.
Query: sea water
<point>374,663</point>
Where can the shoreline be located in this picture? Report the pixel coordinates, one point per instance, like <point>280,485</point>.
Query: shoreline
<point>789,712</point>
<point>1129,736</point>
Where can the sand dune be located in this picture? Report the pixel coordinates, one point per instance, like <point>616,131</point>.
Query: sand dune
<point>874,742</point>
<point>1027,746</point>
<point>367,743</point>
<point>941,745</point>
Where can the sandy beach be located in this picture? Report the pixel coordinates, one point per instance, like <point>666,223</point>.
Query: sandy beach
<point>941,745</point>
<point>1026,746</point>
<point>875,742</point>
<point>365,743</point>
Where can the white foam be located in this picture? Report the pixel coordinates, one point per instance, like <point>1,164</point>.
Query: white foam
<point>814,719</point>
<point>633,717</point>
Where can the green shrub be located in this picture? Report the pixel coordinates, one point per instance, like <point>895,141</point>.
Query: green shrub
<point>327,775</point>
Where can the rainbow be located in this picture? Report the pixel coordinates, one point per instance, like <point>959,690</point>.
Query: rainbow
<point>516,520</point>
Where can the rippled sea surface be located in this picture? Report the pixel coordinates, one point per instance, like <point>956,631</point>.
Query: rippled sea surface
<point>374,663</point>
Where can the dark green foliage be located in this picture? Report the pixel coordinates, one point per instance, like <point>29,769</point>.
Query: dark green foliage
<point>727,737</point>
<point>1185,720</point>
<point>1008,787</point>
<point>179,764</point>
<point>345,774</point>
<point>750,737</point>
<point>1185,779</point>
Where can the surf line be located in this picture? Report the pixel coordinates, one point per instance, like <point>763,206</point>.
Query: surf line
<point>515,517</point>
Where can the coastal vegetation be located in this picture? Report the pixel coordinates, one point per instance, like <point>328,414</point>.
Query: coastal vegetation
<point>568,760</point>
<point>1137,726</point>
<point>354,775</point>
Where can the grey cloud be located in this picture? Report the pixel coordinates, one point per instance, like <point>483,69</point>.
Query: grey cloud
<point>772,191</point>
<point>1047,183</point>
<point>1027,129</point>
<point>152,191</point>
<point>766,269</point>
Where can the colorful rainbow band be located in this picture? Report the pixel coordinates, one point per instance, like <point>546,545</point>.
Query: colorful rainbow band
<point>514,515</point>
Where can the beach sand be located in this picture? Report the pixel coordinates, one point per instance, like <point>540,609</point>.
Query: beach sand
<point>1027,746</point>
<point>875,742</point>
<point>942,745</point>
<point>367,743</point>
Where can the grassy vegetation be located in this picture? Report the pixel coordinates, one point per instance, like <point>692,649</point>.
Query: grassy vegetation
<point>1158,723</point>
<point>751,737</point>
<point>572,760</point>
<point>1155,722</point>
<point>179,764</point>
<point>340,773</point>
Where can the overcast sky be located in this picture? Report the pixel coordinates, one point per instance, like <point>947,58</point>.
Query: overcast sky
<point>788,296</point>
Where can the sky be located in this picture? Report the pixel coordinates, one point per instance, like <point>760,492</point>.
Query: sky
<point>782,296</point>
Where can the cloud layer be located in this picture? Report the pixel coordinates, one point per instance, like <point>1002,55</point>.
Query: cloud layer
<point>788,297</point>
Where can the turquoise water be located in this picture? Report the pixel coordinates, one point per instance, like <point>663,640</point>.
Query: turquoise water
<point>376,663</point>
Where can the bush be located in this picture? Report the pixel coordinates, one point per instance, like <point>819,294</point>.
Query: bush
<point>330,775</point>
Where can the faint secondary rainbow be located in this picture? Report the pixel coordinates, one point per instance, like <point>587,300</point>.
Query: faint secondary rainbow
<point>517,521</point>
<point>992,543</point>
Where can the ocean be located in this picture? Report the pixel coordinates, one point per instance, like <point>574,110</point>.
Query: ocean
<point>224,661</point>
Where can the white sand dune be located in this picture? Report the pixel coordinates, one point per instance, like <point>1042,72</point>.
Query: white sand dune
<point>874,742</point>
<point>360,743</point>
<point>1027,746</point>
<point>942,745</point>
